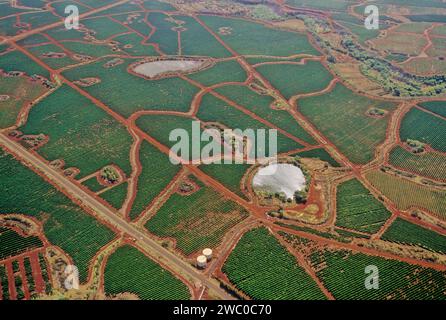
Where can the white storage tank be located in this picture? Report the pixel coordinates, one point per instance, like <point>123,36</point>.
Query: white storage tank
<point>207,253</point>
<point>202,261</point>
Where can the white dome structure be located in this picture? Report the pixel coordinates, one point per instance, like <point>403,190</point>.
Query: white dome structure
<point>207,253</point>
<point>202,262</point>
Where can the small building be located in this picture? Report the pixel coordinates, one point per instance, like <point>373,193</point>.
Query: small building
<point>207,253</point>
<point>201,262</point>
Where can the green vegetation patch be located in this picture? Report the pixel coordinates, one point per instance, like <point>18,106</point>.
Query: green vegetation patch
<point>157,172</point>
<point>263,269</point>
<point>13,243</point>
<point>226,71</point>
<point>320,154</point>
<point>357,208</point>
<point>293,79</point>
<point>196,221</point>
<point>82,134</point>
<point>403,231</point>
<point>129,270</point>
<point>250,38</point>
<point>116,195</point>
<point>341,116</point>
<point>65,224</point>
<point>17,61</point>
<point>424,127</point>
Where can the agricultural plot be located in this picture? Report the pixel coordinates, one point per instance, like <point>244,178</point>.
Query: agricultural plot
<point>130,271</point>
<point>414,27</point>
<point>196,221</point>
<point>431,165</point>
<point>405,232</point>
<point>83,135</point>
<point>157,172</point>
<point>425,66</point>
<point>342,272</point>
<point>134,21</point>
<point>89,49</point>
<point>131,44</point>
<point>33,40</point>
<point>103,27</point>
<point>164,36</point>
<point>17,61</point>
<point>127,93</point>
<point>65,224</point>
<point>244,37</point>
<point>230,175</point>
<point>424,127</point>
<point>20,90</point>
<point>261,106</point>
<point>437,107</point>
<point>213,109</point>
<point>55,63</point>
<point>360,32</point>
<point>341,116</point>
<point>157,5</point>
<point>227,71</point>
<point>93,184</point>
<point>397,189</point>
<point>410,44</point>
<point>320,154</point>
<point>263,269</point>
<point>116,196</point>
<point>357,209</point>
<point>13,243</point>
<point>340,5</point>
<point>292,79</point>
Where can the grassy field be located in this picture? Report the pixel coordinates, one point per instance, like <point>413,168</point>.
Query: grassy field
<point>430,165</point>
<point>341,116</point>
<point>263,269</point>
<point>54,63</point>
<point>65,224</point>
<point>82,134</point>
<point>127,93</point>
<point>20,90</point>
<point>196,221</point>
<point>357,208</point>
<point>129,270</point>
<point>260,105</point>
<point>411,44</point>
<point>403,231</point>
<point>438,107</point>
<point>292,79</point>
<point>157,172</point>
<point>424,127</point>
<point>104,27</point>
<point>14,244</point>
<point>164,36</point>
<point>246,36</point>
<point>397,190</point>
<point>93,184</point>
<point>340,5</point>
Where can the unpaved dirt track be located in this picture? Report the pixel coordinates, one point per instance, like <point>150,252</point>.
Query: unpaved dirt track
<point>155,250</point>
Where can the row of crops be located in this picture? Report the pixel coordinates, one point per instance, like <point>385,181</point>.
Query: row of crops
<point>197,220</point>
<point>23,278</point>
<point>14,244</point>
<point>403,231</point>
<point>357,208</point>
<point>64,224</point>
<point>263,269</point>
<point>130,271</point>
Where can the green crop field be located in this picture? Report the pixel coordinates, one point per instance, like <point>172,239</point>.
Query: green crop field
<point>17,61</point>
<point>65,224</point>
<point>256,39</point>
<point>263,269</point>
<point>341,116</point>
<point>438,107</point>
<point>430,164</point>
<point>157,172</point>
<point>340,5</point>
<point>104,27</point>
<point>19,90</point>
<point>129,270</point>
<point>398,189</point>
<point>343,274</point>
<point>14,244</point>
<point>293,79</point>
<point>230,175</point>
<point>82,134</point>
<point>93,184</point>
<point>227,71</point>
<point>320,154</point>
<point>424,127</point>
<point>127,93</point>
<point>54,63</point>
<point>403,231</point>
<point>196,221</point>
<point>357,208</point>
<point>116,195</point>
